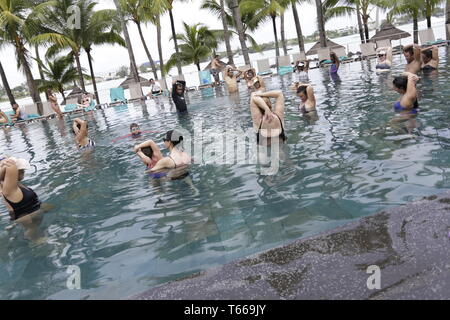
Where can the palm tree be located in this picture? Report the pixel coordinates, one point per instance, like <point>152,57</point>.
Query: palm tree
<point>160,52</point>
<point>196,44</point>
<point>321,24</point>
<point>102,28</point>
<point>58,73</point>
<point>298,28</point>
<point>430,7</point>
<point>409,7</point>
<point>337,8</point>
<point>269,9</point>
<point>134,70</point>
<point>143,11</point>
<point>226,34</point>
<point>249,22</point>
<point>6,86</point>
<point>283,37</point>
<point>447,18</point>
<point>174,36</point>
<point>17,25</point>
<point>240,29</point>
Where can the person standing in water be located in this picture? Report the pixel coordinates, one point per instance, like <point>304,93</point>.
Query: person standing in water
<point>249,75</point>
<point>430,58</point>
<point>335,63</point>
<point>267,123</point>
<point>308,100</point>
<point>384,59</point>
<point>54,103</point>
<point>149,153</point>
<point>406,86</point>
<point>413,58</point>
<point>177,157</point>
<point>155,89</point>
<point>80,129</point>
<point>231,77</point>
<point>216,67</point>
<point>178,90</point>
<point>300,72</point>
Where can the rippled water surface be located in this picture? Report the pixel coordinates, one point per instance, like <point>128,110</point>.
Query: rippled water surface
<point>127,232</point>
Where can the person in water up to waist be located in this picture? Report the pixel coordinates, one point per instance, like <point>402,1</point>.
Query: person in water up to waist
<point>413,58</point>
<point>80,130</point>
<point>149,153</point>
<point>308,100</point>
<point>178,89</point>
<point>430,58</point>
<point>230,76</point>
<point>177,157</point>
<point>406,86</point>
<point>19,200</point>
<point>384,59</point>
<point>335,63</point>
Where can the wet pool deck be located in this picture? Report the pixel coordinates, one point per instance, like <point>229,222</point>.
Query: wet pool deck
<point>410,244</point>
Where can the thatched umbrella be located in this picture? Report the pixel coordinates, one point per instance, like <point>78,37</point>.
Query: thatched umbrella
<point>330,44</point>
<point>222,64</point>
<point>76,93</point>
<point>126,84</point>
<point>388,31</point>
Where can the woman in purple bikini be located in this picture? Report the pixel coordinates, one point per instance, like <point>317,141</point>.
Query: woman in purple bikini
<point>336,63</point>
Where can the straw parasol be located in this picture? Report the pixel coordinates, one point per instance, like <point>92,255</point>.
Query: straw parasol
<point>388,31</point>
<point>330,44</point>
<point>126,84</point>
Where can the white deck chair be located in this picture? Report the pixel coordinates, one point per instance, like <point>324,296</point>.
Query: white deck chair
<point>427,38</point>
<point>284,61</point>
<point>244,68</point>
<point>136,92</point>
<point>384,43</point>
<point>31,111</point>
<point>72,101</point>
<point>264,67</point>
<point>301,56</point>
<point>323,53</point>
<point>47,108</point>
<point>368,50</point>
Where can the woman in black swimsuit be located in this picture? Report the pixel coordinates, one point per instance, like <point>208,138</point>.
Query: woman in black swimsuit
<point>267,123</point>
<point>22,203</point>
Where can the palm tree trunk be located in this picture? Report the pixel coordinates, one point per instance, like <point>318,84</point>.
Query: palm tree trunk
<point>174,36</point>
<point>94,82</point>
<point>429,22</point>
<point>416,29</point>
<point>283,39</point>
<point>277,48</point>
<point>366,26</point>
<point>301,41</point>
<point>227,35</point>
<point>149,56</point>
<point>5,82</point>
<point>160,53</point>
<point>134,70</point>
<point>447,18</point>
<point>34,93</point>
<point>80,71</point>
<point>41,72</point>
<point>198,66</point>
<point>360,25</point>
<point>320,24</point>
<point>240,30</point>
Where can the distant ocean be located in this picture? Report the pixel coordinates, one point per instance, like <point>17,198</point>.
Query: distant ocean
<point>351,42</point>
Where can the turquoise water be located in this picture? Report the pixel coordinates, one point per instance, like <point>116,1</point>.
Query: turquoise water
<point>127,232</point>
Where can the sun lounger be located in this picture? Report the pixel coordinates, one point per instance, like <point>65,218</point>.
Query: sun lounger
<point>205,79</point>
<point>427,38</point>
<point>264,67</point>
<point>368,50</point>
<point>324,56</point>
<point>136,92</point>
<point>301,56</point>
<point>32,112</point>
<point>284,65</point>
<point>117,96</point>
<point>342,55</point>
<point>384,43</point>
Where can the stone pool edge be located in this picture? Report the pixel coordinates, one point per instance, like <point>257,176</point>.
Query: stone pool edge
<point>410,244</point>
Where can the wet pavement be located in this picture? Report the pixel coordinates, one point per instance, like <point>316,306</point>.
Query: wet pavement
<point>410,245</point>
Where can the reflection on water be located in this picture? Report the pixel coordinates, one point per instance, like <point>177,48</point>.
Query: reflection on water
<point>127,231</point>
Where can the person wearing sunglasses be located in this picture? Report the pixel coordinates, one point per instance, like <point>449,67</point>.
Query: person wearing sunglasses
<point>177,157</point>
<point>384,62</point>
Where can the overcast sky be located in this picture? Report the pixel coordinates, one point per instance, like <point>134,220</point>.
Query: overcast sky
<point>109,59</point>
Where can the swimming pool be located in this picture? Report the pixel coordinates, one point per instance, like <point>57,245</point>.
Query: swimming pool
<point>126,232</point>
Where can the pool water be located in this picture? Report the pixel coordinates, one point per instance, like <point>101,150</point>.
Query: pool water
<point>127,232</point>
